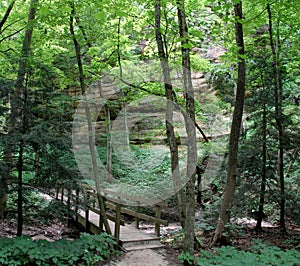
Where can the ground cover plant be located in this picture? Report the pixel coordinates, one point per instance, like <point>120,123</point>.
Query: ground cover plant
<point>259,254</point>
<point>240,245</point>
<point>86,250</point>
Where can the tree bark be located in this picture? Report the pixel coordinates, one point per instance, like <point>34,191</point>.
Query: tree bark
<point>20,189</point>
<point>258,226</point>
<point>200,169</point>
<point>91,135</point>
<point>190,128</point>
<point>169,115</point>
<point>278,117</point>
<point>20,165</point>
<point>235,129</point>
<point>23,67</point>
<point>109,144</point>
<point>19,104</point>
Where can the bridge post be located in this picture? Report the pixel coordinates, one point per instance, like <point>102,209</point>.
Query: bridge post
<point>76,205</point>
<point>62,194</point>
<point>118,222</point>
<point>157,225</point>
<point>137,220</point>
<point>101,221</point>
<point>57,193</point>
<point>87,197</point>
<point>68,207</point>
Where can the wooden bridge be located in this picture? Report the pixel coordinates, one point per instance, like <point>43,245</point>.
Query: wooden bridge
<point>84,209</point>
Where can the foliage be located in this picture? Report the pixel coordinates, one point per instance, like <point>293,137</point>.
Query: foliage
<point>128,170</point>
<point>37,209</point>
<point>259,254</point>
<point>221,78</point>
<point>186,258</point>
<point>87,250</point>
<point>34,205</point>
<point>199,64</point>
<point>260,101</point>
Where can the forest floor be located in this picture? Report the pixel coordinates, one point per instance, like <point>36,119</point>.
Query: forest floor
<point>50,231</point>
<point>241,237</point>
<point>58,230</point>
<point>147,257</point>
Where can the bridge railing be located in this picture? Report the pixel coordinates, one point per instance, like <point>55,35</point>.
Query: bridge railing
<point>115,204</point>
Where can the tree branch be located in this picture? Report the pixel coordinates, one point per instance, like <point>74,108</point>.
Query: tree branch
<point>6,15</point>
<point>10,35</point>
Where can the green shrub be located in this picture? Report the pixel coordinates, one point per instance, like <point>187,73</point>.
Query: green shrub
<point>87,250</point>
<point>260,254</point>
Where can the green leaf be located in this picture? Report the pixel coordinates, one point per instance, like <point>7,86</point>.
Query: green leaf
<point>101,15</point>
<point>187,46</point>
<point>44,11</point>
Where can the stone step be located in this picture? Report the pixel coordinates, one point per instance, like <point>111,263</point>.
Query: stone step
<point>142,243</point>
<point>147,243</point>
<point>141,247</point>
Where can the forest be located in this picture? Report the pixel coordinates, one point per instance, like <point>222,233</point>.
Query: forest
<point>177,116</point>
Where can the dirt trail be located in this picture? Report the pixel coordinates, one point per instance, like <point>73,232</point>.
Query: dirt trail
<point>147,257</point>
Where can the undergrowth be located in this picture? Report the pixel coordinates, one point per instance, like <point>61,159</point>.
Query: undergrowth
<point>259,254</point>
<point>86,250</point>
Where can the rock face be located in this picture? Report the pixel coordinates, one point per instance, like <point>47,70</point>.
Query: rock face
<point>214,53</point>
<point>142,115</point>
<point>200,85</point>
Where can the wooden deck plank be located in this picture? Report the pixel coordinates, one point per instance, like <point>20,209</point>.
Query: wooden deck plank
<point>128,233</point>
<point>131,238</point>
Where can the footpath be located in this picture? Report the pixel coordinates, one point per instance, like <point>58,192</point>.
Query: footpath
<point>147,257</point>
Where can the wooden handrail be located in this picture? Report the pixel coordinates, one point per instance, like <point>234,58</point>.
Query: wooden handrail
<point>115,201</point>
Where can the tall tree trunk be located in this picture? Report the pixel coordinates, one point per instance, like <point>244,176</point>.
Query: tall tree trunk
<point>20,189</point>
<point>3,196</point>
<point>258,226</point>
<point>278,117</point>
<point>91,135</point>
<point>169,115</point>
<point>200,169</point>
<point>109,143</point>
<point>23,67</point>
<point>20,165</point>
<point>19,104</point>
<point>191,132</point>
<point>235,129</point>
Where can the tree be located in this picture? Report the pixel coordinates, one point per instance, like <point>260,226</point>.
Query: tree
<point>259,176</point>
<point>190,128</point>
<point>235,127</point>
<point>278,94</point>
<point>3,179</point>
<point>32,134</point>
<point>19,105</point>
<point>91,137</point>
<point>163,56</point>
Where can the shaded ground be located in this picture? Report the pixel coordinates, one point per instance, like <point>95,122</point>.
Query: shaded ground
<point>240,236</point>
<point>53,231</point>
